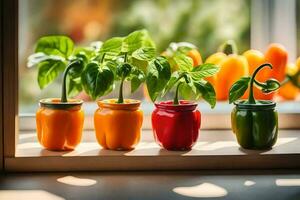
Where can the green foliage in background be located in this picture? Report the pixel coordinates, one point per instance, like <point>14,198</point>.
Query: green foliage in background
<point>205,23</point>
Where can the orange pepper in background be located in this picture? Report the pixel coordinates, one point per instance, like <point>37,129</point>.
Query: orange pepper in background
<point>59,129</point>
<point>256,58</point>
<point>289,91</point>
<point>196,56</point>
<point>118,126</point>
<point>277,55</point>
<point>232,67</point>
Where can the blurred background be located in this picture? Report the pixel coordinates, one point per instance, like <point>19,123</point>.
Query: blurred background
<point>206,23</point>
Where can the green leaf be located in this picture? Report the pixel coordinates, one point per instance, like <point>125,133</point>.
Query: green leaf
<point>172,81</point>
<point>203,71</point>
<point>37,58</point>
<point>74,78</point>
<point>55,45</point>
<point>140,64</point>
<point>112,46</point>
<point>137,77</point>
<point>188,91</point>
<point>159,73</point>
<point>183,62</point>
<point>112,66</point>
<point>76,71</point>
<point>97,80</point>
<point>238,89</point>
<point>272,85</point>
<point>207,92</point>
<point>88,52</point>
<point>136,40</point>
<point>269,86</point>
<point>48,71</point>
<point>124,70</point>
<point>144,53</point>
<point>74,86</point>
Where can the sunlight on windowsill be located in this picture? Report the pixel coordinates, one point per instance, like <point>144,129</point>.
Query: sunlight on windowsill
<point>214,142</point>
<point>28,194</point>
<point>75,181</point>
<point>204,190</point>
<point>287,182</point>
<point>249,183</point>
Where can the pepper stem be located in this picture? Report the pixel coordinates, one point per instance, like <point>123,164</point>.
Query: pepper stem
<point>121,99</point>
<point>229,47</point>
<point>64,87</point>
<point>176,101</point>
<point>251,99</point>
<point>102,58</point>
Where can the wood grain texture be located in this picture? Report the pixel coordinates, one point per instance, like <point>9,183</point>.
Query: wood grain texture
<point>214,150</point>
<point>10,75</point>
<point>1,94</point>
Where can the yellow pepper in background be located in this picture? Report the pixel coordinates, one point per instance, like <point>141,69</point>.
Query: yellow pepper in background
<point>289,91</point>
<point>232,67</point>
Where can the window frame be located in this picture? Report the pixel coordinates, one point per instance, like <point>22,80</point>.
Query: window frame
<point>1,94</point>
<point>10,76</point>
<point>9,109</point>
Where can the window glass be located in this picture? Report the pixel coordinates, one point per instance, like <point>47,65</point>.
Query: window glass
<point>206,23</point>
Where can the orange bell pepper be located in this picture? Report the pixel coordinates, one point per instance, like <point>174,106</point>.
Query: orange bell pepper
<point>59,126</point>
<point>196,56</point>
<point>255,58</point>
<point>289,91</point>
<point>277,55</point>
<point>232,67</point>
<point>118,126</point>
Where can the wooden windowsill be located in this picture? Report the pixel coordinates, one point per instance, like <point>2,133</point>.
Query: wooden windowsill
<point>214,150</point>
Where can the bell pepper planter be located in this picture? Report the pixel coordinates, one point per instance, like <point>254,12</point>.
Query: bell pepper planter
<point>59,121</point>
<point>176,123</point>
<point>118,126</point>
<point>176,127</point>
<point>118,121</point>
<point>59,124</point>
<point>254,122</point>
<point>255,125</point>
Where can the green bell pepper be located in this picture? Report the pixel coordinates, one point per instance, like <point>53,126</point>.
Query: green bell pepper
<point>255,122</point>
<point>255,126</point>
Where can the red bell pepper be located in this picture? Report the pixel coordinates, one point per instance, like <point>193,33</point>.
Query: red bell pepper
<point>176,127</point>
